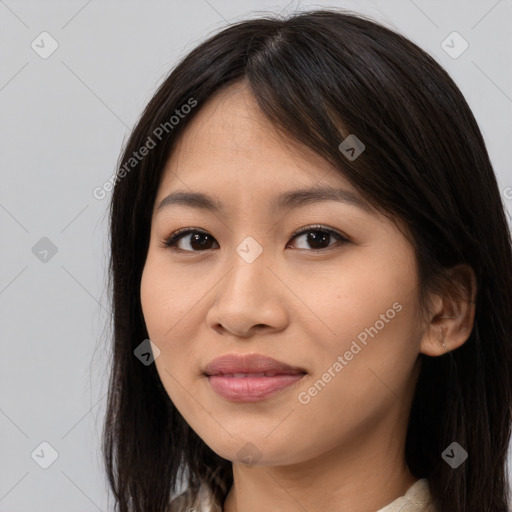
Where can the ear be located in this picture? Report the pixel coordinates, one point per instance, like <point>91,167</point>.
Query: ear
<point>452,319</point>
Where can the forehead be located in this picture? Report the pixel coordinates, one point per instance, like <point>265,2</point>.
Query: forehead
<point>230,141</point>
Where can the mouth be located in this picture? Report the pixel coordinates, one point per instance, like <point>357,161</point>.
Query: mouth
<point>250,378</point>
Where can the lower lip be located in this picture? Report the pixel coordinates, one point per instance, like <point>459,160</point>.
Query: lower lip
<point>251,389</point>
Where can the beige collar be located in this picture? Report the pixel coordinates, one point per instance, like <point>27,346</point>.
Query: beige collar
<point>416,499</point>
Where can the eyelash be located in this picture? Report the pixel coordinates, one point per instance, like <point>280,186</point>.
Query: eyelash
<point>171,241</point>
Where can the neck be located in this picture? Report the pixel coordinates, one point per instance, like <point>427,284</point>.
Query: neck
<point>363,475</point>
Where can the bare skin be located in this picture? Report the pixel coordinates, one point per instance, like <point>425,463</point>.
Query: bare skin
<point>341,447</point>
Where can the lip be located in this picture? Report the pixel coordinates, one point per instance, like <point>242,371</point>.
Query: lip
<point>224,376</point>
<point>249,363</point>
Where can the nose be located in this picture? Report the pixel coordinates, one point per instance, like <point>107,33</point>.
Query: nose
<point>248,300</point>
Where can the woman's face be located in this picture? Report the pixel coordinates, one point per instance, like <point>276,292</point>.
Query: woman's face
<point>344,313</point>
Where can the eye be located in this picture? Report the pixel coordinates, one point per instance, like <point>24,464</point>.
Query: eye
<point>200,239</point>
<point>317,237</point>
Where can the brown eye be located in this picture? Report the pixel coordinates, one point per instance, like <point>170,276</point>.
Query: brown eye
<point>318,237</point>
<point>199,241</point>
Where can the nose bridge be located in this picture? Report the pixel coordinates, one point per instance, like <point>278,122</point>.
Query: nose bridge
<point>249,267</point>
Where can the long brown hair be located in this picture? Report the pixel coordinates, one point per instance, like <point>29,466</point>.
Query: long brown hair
<point>425,162</point>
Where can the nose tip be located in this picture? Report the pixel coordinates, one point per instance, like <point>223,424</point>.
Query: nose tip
<point>247,300</point>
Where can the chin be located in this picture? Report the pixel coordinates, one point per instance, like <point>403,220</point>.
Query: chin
<point>253,451</point>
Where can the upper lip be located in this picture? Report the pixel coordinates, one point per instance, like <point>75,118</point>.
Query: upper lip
<point>249,363</point>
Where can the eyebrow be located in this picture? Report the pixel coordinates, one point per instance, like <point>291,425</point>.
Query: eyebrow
<point>285,201</point>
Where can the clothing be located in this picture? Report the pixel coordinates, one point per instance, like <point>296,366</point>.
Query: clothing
<point>416,499</point>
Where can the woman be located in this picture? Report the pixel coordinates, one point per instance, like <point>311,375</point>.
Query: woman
<point>342,339</point>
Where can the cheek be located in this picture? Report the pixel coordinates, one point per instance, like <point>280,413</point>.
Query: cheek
<point>164,313</point>
<point>371,288</point>
<point>370,308</point>
<point>154,301</point>
<point>170,306</point>
<point>165,298</point>
<point>363,372</point>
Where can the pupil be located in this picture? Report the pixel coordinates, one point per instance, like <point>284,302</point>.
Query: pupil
<point>313,238</point>
<point>195,239</point>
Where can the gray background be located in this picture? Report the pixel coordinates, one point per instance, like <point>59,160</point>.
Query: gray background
<point>63,121</point>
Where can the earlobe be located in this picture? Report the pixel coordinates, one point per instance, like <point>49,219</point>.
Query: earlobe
<point>453,318</point>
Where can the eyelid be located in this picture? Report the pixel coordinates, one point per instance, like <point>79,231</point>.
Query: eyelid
<point>319,227</point>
